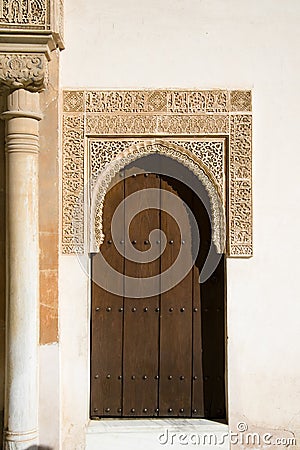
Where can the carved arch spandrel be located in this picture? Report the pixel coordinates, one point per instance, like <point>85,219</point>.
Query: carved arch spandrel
<point>179,154</point>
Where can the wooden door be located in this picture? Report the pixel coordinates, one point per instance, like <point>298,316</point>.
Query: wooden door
<point>158,356</point>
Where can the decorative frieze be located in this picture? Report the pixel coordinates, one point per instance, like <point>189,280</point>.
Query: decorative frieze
<point>171,102</point>
<point>25,71</point>
<point>137,124</point>
<point>206,119</point>
<point>32,14</point>
<point>157,102</point>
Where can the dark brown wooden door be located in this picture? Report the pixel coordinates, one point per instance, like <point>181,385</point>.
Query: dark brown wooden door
<point>158,356</point>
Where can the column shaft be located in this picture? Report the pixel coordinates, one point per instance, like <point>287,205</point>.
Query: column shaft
<point>22,146</point>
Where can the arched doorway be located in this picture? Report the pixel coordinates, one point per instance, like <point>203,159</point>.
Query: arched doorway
<point>160,355</point>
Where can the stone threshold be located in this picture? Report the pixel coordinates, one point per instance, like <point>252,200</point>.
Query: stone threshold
<point>155,434</point>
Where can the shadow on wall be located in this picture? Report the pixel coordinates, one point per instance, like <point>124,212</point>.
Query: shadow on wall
<point>39,447</point>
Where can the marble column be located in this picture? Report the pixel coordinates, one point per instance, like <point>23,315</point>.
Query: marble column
<point>22,319</point>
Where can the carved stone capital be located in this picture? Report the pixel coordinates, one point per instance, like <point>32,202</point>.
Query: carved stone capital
<point>23,71</point>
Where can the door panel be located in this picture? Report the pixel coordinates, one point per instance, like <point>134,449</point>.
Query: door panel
<point>176,317</point>
<point>197,377</point>
<point>213,335</point>
<point>141,324</point>
<point>107,323</point>
<point>161,355</point>
<point>197,380</point>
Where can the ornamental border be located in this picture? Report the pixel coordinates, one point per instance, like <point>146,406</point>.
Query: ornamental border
<point>159,114</point>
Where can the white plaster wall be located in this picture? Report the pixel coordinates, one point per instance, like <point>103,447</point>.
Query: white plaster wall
<point>74,353</point>
<point>49,397</point>
<point>209,44</point>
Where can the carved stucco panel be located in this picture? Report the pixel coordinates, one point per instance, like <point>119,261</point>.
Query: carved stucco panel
<point>73,184</point>
<point>211,153</point>
<point>137,124</point>
<point>34,14</point>
<point>42,19</point>
<point>170,102</point>
<point>108,163</point>
<point>240,186</point>
<point>169,114</point>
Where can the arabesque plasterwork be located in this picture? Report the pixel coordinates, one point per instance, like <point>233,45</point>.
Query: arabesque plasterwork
<point>25,13</point>
<point>102,130</point>
<point>136,150</point>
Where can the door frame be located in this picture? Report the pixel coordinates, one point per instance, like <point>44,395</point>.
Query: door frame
<point>110,119</point>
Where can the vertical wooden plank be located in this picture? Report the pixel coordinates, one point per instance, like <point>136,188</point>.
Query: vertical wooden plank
<point>107,323</point>
<point>203,222</point>
<point>213,326</point>
<point>176,317</point>
<point>219,400</point>
<point>197,383</point>
<point>141,331</point>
